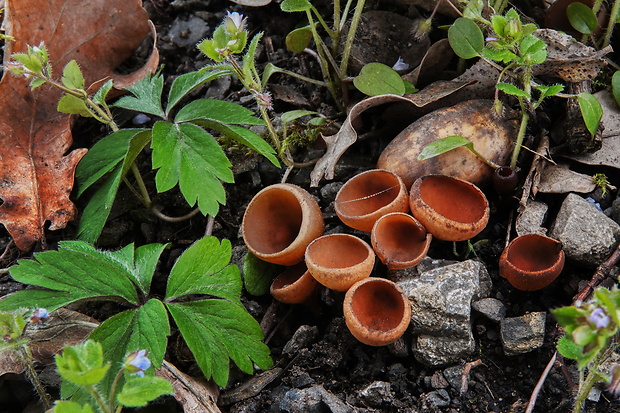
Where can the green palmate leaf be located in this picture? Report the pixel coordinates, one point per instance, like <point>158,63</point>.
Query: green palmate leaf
<point>216,330</point>
<point>511,90</point>
<point>379,79</point>
<point>299,39</point>
<point>82,364</point>
<point>466,38</point>
<point>204,268</point>
<point>36,298</point>
<point>188,82</point>
<point>101,95</point>
<point>568,349</point>
<point>218,111</point>
<point>295,5</point>
<point>73,105</point>
<point>444,145</point>
<point>113,155</point>
<point>502,55</point>
<point>145,328</point>
<point>76,271</point>
<point>63,406</point>
<point>72,76</point>
<point>147,96</point>
<point>187,155</point>
<point>591,110</point>
<point>258,274</point>
<point>615,86</point>
<point>248,138</point>
<point>581,17</point>
<point>138,391</point>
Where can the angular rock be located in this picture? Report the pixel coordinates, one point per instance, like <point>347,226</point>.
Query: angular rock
<point>523,334</point>
<point>441,310</point>
<point>492,308</point>
<point>376,394</point>
<point>312,400</point>
<point>531,219</point>
<point>436,399</point>
<point>588,236</point>
<point>302,337</point>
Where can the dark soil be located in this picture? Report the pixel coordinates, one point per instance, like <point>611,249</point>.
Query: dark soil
<point>330,357</point>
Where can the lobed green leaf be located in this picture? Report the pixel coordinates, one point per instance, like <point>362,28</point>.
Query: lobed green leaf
<point>219,330</point>
<point>146,97</point>
<point>204,268</point>
<point>188,82</point>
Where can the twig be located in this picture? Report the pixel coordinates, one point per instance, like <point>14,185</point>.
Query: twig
<point>465,376</point>
<point>539,384</point>
<point>157,212</point>
<point>209,227</point>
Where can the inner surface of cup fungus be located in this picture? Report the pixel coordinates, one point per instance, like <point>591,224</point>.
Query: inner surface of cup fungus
<point>399,240</point>
<point>366,197</point>
<point>449,208</point>
<point>376,311</point>
<point>280,221</point>
<point>339,260</point>
<point>532,261</point>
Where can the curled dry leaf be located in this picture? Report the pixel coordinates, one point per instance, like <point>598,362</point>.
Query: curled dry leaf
<point>347,135</point>
<point>36,174</point>
<point>559,179</point>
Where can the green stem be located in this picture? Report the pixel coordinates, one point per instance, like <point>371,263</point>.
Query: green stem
<point>331,33</point>
<point>113,389</point>
<point>302,77</point>
<point>525,117</point>
<point>612,22</point>
<point>98,399</point>
<point>355,20</point>
<point>144,193</point>
<point>25,358</point>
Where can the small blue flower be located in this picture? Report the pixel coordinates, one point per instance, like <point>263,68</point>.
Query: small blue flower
<point>235,22</point>
<point>400,65</point>
<point>599,318</point>
<point>39,315</point>
<point>137,363</point>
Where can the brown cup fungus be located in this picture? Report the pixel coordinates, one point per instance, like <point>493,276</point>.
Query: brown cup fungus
<point>531,261</point>
<point>399,240</point>
<point>293,286</point>
<point>376,311</point>
<point>368,196</point>
<point>337,261</point>
<point>280,222</point>
<point>449,208</point>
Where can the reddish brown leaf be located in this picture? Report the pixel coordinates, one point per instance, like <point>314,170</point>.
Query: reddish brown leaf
<point>36,174</point>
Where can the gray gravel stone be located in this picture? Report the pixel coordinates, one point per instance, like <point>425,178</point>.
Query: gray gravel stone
<point>531,219</point>
<point>587,235</point>
<point>437,398</point>
<point>301,338</point>
<point>523,334</point>
<point>441,310</point>
<point>376,394</point>
<point>491,308</point>
<point>312,400</point>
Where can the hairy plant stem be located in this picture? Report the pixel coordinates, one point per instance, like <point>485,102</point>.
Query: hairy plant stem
<point>355,20</point>
<point>613,15</point>
<point>593,376</point>
<point>102,405</point>
<point>525,116</point>
<point>113,389</point>
<point>24,356</point>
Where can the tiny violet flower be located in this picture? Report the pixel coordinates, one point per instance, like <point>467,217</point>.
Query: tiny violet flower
<point>39,315</point>
<point>593,202</point>
<point>235,22</point>
<point>263,99</point>
<point>400,65</point>
<point>599,318</point>
<point>137,363</point>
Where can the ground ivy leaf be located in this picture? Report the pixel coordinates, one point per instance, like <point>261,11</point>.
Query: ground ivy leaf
<point>138,391</point>
<point>443,145</point>
<point>146,96</point>
<point>101,95</point>
<point>73,105</point>
<point>466,38</point>
<point>76,272</point>
<point>298,39</point>
<point>581,17</point>
<point>511,89</point>
<point>591,110</point>
<point>204,268</point>
<point>72,76</point>
<point>567,348</point>
<point>186,154</point>
<point>216,330</point>
<point>295,5</point>
<point>379,79</point>
<point>63,406</point>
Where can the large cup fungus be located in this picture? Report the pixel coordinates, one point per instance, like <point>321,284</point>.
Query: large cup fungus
<point>449,208</point>
<point>294,285</point>
<point>376,311</point>
<point>339,260</point>
<point>368,196</point>
<point>531,261</point>
<point>399,240</point>
<point>280,222</point>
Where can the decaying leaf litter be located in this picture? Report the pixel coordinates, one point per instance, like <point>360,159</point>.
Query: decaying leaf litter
<point>413,386</point>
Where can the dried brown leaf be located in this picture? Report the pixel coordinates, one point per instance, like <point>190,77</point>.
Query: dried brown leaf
<point>36,174</point>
